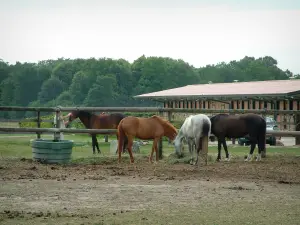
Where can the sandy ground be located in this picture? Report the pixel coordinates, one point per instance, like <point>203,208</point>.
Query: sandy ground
<point>234,192</point>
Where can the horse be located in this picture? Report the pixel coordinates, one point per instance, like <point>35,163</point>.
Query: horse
<point>194,128</point>
<point>102,121</point>
<point>152,128</point>
<point>237,126</point>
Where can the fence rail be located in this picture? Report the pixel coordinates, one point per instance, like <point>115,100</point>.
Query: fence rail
<point>145,109</point>
<point>160,110</point>
<point>114,131</point>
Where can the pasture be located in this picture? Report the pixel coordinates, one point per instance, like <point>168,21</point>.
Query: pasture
<point>95,189</point>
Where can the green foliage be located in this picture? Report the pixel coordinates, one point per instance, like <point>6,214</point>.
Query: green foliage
<point>108,82</point>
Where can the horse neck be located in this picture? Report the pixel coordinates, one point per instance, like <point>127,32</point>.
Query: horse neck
<point>85,120</point>
<point>180,135</point>
<point>168,130</point>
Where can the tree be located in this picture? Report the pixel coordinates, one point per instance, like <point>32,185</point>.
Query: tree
<point>103,92</point>
<point>50,89</point>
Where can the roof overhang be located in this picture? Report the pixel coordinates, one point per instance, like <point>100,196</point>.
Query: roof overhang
<point>269,97</point>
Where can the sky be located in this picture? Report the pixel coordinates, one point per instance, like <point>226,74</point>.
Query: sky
<point>199,32</point>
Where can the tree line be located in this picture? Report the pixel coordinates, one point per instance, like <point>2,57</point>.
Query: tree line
<point>110,82</point>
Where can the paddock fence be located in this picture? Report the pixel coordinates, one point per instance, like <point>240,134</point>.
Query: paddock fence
<point>164,112</point>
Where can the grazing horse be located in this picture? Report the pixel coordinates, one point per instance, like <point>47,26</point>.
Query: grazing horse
<point>193,129</point>
<point>236,126</point>
<point>102,121</point>
<point>153,128</point>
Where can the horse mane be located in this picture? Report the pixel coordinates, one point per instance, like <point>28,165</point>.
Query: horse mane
<point>164,122</point>
<point>218,115</point>
<point>85,113</point>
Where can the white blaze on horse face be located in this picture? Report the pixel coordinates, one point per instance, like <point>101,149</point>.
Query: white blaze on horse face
<point>70,116</point>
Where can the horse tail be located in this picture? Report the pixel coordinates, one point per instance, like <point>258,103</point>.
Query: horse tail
<point>122,136</point>
<point>205,128</point>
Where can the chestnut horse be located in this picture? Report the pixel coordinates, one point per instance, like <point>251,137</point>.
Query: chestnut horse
<point>152,128</point>
<point>102,121</point>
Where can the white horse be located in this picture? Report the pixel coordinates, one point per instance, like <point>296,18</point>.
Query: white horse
<point>193,129</point>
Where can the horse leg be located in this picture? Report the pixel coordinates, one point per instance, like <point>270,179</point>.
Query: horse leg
<point>260,146</point>
<point>226,150</point>
<point>152,151</point>
<point>125,145</point>
<point>93,143</point>
<point>191,145</point>
<point>155,143</point>
<point>130,143</point>
<point>219,150</point>
<point>253,143</point>
<point>97,146</point>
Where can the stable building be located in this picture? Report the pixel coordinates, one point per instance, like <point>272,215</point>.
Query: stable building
<point>271,94</point>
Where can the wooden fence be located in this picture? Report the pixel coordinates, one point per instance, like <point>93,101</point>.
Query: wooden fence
<point>161,111</point>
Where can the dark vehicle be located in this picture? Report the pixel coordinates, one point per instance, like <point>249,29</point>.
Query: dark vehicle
<point>271,125</point>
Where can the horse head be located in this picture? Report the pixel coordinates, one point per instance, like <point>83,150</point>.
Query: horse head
<point>73,115</point>
<point>178,143</point>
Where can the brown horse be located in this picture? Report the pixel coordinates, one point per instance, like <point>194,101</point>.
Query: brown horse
<point>102,121</point>
<point>153,128</point>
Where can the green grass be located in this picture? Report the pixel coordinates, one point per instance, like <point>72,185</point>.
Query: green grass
<point>19,147</point>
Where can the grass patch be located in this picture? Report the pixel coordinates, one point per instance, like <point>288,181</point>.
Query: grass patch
<point>19,147</point>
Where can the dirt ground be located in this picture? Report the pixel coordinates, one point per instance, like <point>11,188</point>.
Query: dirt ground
<point>235,192</point>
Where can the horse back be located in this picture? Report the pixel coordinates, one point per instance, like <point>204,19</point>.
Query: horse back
<point>143,128</point>
<point>235,126</point>
<point>109,121</point>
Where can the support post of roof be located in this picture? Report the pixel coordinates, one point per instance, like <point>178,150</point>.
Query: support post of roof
<point>274,108</point>
<point>170,120</point>
<point>160,143</point>
<point>297,128</point>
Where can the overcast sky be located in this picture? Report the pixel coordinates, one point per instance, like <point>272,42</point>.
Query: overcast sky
<point>199,32</point>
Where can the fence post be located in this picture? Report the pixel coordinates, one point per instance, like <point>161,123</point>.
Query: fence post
<point>57,134</point>
<point>38,124</point>
<point>160,143</point>
<point>232,107</point>
<point>205,148</point>
<point>170,120</point>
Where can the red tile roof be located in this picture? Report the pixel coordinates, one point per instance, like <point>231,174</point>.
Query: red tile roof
<point>270,87</point>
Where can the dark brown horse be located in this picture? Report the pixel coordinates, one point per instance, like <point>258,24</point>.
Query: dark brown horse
<point>102,121</point>
<point>237,126</point>
<point>152,128</point>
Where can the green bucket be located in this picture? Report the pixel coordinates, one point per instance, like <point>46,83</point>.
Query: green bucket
<point>51,152</point>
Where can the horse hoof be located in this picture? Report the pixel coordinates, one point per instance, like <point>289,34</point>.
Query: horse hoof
<point>218,160</point>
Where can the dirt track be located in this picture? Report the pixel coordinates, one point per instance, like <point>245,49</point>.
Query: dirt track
<point>222,193</point>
